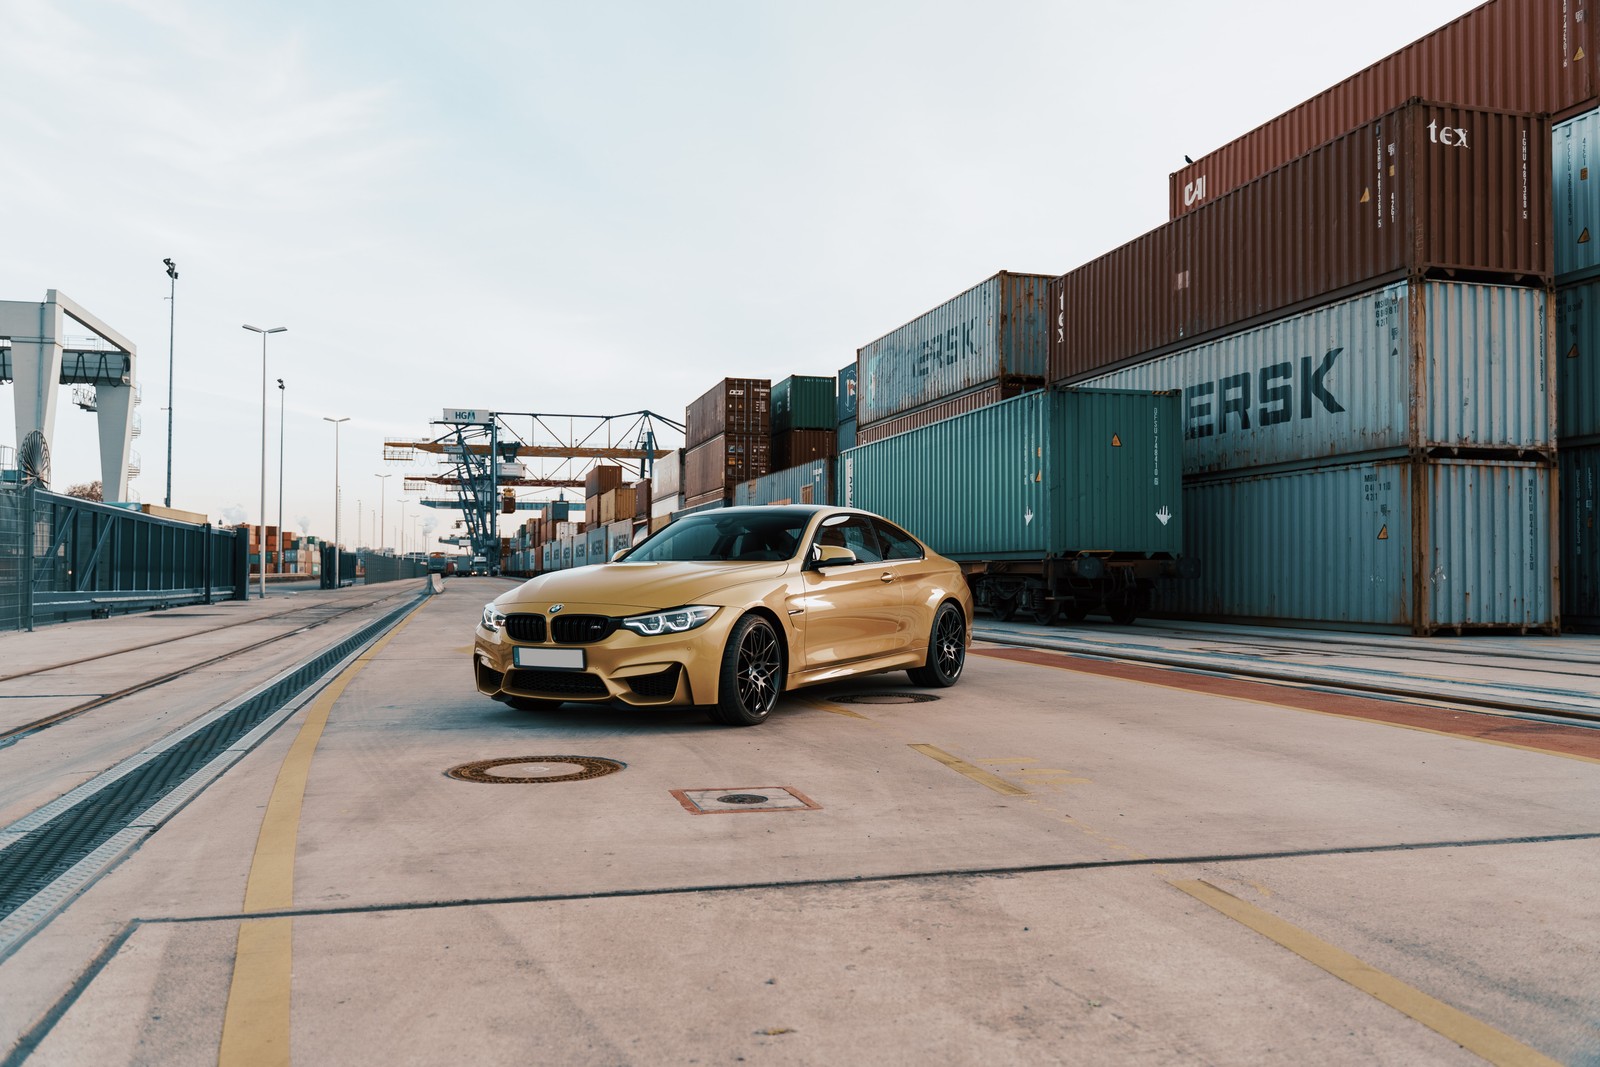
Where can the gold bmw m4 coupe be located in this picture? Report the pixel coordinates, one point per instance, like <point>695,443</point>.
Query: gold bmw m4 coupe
<point>726,610</point>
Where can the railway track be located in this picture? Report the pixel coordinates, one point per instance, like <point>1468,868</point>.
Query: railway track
<point>301,619</point>
<point>1543,679</point>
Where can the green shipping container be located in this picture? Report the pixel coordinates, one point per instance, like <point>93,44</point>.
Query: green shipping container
<point>1049,473</point>
<point>804,402</point>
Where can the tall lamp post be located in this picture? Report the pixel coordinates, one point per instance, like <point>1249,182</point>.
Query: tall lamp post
<point>281,407</point>
<point>336,508</point>
<point>263,332</point>
<point>383,507</point>
<point>402,534</point>
<point>172,322</point>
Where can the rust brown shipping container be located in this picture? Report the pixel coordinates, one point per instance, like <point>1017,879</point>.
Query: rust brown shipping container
<point>733,406</point>
<point>618,503</point>
<point>1429,190</point>
<point>793,447</point>
<point>1512,55</point>
<point>642,493</point>
<point>724,461</point>
<point>944,409</point>
<point>602,478</point>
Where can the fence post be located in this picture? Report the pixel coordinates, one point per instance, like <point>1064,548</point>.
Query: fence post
<point>29,504</point>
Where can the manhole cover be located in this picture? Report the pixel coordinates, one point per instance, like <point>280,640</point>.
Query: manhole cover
<point>546,768</point>
<point>761,798</point>
<point>887,698</point>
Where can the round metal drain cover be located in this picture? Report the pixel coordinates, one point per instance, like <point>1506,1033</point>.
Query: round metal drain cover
<point>887,698</point>
<point>588,767</point>
<point>743,798</point>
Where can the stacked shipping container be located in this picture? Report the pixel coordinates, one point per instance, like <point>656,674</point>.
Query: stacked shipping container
<point>1401,195</point>
<point>728,439</point>
<point>1521,55</point>
<point>989,343</point>
<point>1577,357</point>
<point>1324,449</point>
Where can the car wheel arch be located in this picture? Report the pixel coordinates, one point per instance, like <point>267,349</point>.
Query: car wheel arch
<point>778,627</point>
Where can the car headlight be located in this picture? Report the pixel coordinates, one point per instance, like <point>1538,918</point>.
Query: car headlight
<point>676,621</point>
<point>493,618</point>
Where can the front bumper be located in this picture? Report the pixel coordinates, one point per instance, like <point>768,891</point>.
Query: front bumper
<point>668,670</point>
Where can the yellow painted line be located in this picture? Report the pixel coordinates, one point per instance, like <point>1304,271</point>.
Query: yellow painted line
<point>977,774</point>
<point>255,1025</point>
<point>1476,1037</point>
<point>833,709</point>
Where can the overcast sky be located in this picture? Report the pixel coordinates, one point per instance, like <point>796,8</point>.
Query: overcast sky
<point>578,208</point>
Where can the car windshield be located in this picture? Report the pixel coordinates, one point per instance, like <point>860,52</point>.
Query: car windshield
<point>732,537</point>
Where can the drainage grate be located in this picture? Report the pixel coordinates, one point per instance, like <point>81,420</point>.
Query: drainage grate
<point>591,767</point>
<point>888,697</point>
<point>760,798</point>
<point>37,858</point>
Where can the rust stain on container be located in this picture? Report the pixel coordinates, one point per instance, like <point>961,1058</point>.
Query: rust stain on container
<point>1426,190</point>
<point>1517,55</point>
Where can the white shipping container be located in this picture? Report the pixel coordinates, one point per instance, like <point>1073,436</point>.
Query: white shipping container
<point>1411,366</point>
<point>619,535</point>
<point>666,475</point>
<point>665,505</point>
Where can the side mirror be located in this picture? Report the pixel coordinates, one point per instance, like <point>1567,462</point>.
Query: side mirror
<point>619,553</point>
<point>831,556</point>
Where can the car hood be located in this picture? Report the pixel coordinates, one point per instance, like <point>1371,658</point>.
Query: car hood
<point>633,586</point>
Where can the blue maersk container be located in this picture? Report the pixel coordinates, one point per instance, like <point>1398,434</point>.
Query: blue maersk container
<point>997,331</point>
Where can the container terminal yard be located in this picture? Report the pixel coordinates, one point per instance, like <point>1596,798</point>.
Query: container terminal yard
<point>1156,843</point>
<point>1277,739</point>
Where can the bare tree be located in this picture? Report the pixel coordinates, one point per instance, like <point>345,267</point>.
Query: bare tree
<point>87,491</point>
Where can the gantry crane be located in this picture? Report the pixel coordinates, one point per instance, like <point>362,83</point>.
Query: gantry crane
<point>483,454</point>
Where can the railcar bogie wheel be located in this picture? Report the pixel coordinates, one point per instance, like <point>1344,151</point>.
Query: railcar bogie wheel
<point>1123,609</point>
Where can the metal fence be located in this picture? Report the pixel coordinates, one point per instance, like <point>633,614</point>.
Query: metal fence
<point>63,558</point>
<point>375,568</point>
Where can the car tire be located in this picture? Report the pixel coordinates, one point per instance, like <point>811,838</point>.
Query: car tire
<point>947,650</point>
<point>531,704</point>
<point>752,674</point>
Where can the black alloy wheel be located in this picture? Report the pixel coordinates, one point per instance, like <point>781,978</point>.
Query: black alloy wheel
<point>947,650</point>
<point>752,674</point>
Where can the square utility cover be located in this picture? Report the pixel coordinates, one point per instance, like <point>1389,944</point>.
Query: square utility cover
<point>744,798</point>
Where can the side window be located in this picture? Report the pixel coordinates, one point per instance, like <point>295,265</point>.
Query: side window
<point>897,544</point>
<point>854,532</point>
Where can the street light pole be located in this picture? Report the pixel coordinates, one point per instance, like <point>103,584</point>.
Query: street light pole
<point>383,508</point>
<point>402,526</point>
<point>172,322</point>
<point>282,394</point>
<point>336,503</point>
<point>263,333</point>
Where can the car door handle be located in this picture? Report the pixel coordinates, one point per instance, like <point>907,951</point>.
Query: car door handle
<point>886,576</point>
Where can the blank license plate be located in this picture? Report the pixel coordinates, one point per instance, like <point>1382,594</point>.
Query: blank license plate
<point>567,659</point>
